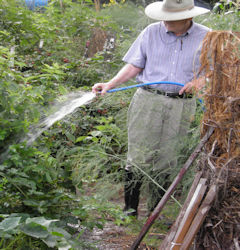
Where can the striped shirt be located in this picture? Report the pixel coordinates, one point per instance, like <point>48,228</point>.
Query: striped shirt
<point>165,56</point>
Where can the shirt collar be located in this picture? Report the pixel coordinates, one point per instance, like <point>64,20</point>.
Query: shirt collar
<point>190,30</point>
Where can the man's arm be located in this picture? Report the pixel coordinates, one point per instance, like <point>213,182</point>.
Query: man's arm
<point>125,74</point>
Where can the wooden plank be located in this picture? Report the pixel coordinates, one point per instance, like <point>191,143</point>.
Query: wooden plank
<point>166,243</point>
<point>189,215</point>
<point>199,218</point>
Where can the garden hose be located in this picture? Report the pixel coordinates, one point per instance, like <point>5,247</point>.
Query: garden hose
<point>144,84</point>
<point>153,83</point>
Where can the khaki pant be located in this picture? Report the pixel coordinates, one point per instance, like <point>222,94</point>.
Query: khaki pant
<point>156,123</point>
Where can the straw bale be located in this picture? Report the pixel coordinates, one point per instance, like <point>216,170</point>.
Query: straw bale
<point>220,60</point>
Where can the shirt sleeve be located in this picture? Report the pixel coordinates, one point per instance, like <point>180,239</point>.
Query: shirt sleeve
<point>136,55</point>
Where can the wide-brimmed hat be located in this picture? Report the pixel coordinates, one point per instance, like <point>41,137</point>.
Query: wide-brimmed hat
<point>173,10</point>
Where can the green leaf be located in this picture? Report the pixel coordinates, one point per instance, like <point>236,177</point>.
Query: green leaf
<point>95,139</point>
<point>23,216</point>
<point>4,215</point>
<point>10,223</point>
<point>43,206</point>
<point>24,182</point>
<point>48,177</point>
<point>95,133</point>
<point>41,221</point>
<point>5,235</point>
<point>80,138</point>
<point>70,137</point>
<point>2,167</point>
<point>35,230</point>
<point>50,240</point>
<point>57,234</point>
<point>31,203</point>
<point>4,32</point>
<point>3,134</point>
<point>101,127</point>
<point>62,90</point>
<point>57,231</point>
<point>104,140</point>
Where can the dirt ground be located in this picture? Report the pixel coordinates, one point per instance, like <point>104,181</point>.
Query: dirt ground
<point>113,237</point>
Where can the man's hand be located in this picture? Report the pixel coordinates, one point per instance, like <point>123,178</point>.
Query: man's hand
<point>194,86</point>
<point>101,88</point>
<point>126,73</point>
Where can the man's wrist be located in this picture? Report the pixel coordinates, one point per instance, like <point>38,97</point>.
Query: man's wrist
<point>112,84</point>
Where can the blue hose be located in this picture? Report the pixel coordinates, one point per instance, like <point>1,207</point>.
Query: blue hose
<point>144,84</point>
<point>153,83</point>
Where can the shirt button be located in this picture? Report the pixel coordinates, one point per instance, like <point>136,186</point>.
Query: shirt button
<point>173,63</point>
<point>175,51</point>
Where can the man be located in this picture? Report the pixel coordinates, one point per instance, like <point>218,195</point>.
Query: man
<point>164,51</point>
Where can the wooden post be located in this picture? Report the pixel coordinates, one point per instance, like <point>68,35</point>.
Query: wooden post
<point>189,215</point>
<point>97,5</point>
<point>199,218</point>
<point>61,4</point>
<point>171,234</point>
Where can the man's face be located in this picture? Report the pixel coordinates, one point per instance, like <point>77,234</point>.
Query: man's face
<point>178,27</point>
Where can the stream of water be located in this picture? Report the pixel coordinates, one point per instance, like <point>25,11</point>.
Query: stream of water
<point>67,105</point>
<point>61,109</point>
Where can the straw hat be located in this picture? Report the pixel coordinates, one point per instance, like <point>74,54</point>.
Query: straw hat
<point>173,10</point>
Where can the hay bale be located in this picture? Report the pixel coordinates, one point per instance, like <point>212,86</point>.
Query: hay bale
<point>220,61</point>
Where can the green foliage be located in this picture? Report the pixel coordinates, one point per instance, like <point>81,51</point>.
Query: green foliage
<point>223,21</point>
<point>128,16</point>
<point>46,230</point>
<point>33,176</point>
<point>20,100</point>
<point>35,183</point>
<point>98,130</point>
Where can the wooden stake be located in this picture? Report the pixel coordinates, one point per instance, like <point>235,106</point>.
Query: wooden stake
<point>97,5</point>
<point>61,4</point>
<point>166,244</point>
<point>199,218</point>
<point>189,215</point>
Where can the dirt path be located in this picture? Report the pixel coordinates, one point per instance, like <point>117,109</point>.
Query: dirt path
<point>113,237</point>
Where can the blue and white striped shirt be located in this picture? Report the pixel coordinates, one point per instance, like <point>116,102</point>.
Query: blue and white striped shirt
<point>165,56</point>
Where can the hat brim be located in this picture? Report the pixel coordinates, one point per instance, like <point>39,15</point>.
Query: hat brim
<point>155,11</point>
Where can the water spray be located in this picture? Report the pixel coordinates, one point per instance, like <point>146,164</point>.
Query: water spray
<point>76,100</point>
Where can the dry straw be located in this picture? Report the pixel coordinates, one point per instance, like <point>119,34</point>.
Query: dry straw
<point>220,61</point>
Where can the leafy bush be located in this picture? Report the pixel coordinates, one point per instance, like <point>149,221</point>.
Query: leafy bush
<point>37,196</point>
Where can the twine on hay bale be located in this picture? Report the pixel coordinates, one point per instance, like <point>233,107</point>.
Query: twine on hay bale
<point>220,60</point>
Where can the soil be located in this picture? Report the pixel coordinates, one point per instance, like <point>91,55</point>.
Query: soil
<point>113,237</point>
